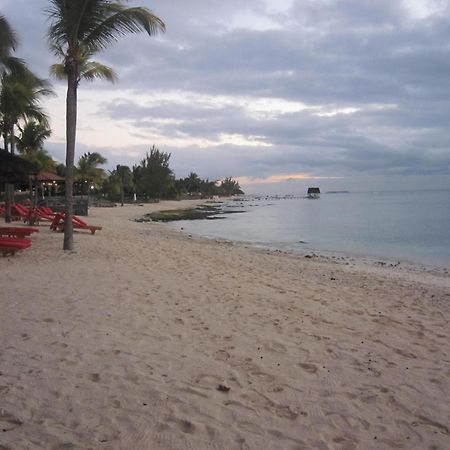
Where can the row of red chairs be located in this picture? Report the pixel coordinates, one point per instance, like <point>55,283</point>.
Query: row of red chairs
<point>13,239</point>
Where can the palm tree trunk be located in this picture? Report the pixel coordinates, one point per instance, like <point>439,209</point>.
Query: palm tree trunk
<point>9,188</point>
<point>71,130</point>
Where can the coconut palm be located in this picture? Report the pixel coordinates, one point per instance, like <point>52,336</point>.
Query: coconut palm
<point>123,178</point>
<point>33,135</point>
<point>78,30</point>
<point>20,95</point>
<point>88,170</point>
<point>30,145</point>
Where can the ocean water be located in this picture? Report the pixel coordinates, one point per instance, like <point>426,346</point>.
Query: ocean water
<point>403,226</point>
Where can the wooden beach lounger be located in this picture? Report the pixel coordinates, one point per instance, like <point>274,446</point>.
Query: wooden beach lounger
<point>78,224</point>
<point>17,232</point>
<point>9,246</point>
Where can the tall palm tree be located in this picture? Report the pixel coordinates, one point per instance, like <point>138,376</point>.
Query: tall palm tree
<point>78,30</point>
<point>20,94</point>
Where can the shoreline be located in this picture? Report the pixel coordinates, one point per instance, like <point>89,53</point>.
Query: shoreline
<point>377,264</point>
<point>126,342</point>
<point>383,255</point>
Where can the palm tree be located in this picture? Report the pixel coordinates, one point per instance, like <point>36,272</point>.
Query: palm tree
<point>20,94</point>
<point>124,177</point>
<point>33,136</point>
<point>88,170</point>
<point>78,30</point>
<point>30,145</point>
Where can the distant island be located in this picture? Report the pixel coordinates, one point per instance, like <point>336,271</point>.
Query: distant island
<point>337,192</point>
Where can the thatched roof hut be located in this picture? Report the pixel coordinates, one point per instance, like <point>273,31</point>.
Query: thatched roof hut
<point>13,168</point>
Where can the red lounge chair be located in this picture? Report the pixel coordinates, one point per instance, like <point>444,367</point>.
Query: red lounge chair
<point>19,211</point>
<point>79,224</point>
<point>9,246</point>
<point>18,232</point>
<point>46,210</point>
<point>38,213</point>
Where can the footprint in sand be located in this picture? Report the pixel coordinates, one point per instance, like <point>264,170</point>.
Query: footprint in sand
<point>8,421</point>
<point>276,347</point>
<point>310,368</point>
<point>94,377</point>
<point>185,425</point>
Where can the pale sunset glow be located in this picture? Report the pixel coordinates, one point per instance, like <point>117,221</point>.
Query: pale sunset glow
<point>282,178</point>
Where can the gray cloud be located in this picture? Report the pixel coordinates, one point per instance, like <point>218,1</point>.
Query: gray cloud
<point>336,54</point>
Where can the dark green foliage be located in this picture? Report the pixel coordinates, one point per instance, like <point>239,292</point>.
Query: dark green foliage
<point>119,184</point>
<point>153,177</point>
<point>230,187</point>
<point>193,185</point>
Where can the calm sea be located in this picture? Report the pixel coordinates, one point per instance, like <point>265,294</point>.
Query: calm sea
<point>404,226</point>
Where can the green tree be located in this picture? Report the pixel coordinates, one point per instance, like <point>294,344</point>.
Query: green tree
<point>78,30</point>
<point>122,177</point>
<point>193,183</point>
<point>60,169</point>
<point>30,145</point>
<point>33,136</point>
<point>153,177</point>
<point>88,170</point>
<point>20,96</point>
<point>209,188</point>
<point>228,186</point>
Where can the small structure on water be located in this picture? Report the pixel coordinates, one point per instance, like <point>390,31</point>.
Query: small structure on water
<point>313,192</point>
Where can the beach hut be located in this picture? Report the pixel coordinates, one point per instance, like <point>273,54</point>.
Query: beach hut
<point>313,192</point>
<point>48,184</point>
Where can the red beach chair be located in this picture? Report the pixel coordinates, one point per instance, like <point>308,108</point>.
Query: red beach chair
<point>19,211</point>
<point>17,232</point>
<point>79,224</point>
<point>9,246</point>
<point>39,213</point>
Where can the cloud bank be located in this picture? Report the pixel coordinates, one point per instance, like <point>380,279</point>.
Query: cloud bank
<point>265,90</point>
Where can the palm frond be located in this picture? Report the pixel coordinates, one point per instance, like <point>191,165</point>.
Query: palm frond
<point>8,37</point>
<point>94,70</point>
<point>58,71</point>
<point>121,21</point>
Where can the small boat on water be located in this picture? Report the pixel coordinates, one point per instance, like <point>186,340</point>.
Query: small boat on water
<point>313,192</point>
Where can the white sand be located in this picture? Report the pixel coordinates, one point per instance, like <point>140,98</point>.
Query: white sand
<point>123,343</point>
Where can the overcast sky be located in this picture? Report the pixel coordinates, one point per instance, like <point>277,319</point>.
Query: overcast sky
<point>342,93</point>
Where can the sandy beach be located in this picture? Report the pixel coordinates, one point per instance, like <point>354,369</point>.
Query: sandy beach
<point>147,338</point>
